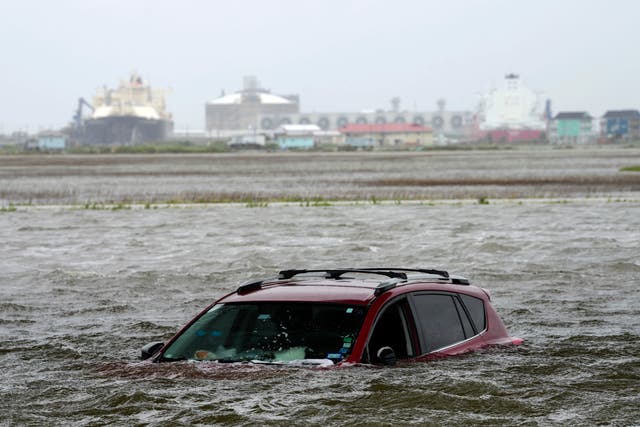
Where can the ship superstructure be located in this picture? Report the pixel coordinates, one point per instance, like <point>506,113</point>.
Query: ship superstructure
<point>133,113</point>
<point>512,106</point>
<point>510,114</point>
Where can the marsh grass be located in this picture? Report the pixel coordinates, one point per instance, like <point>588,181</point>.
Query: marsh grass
<point>180,147</point>
<point>312,179</point>
<point>257,204</point>
<point>120,206</point>
<point>532,181</point>
<point>630,169</point>
<point>93,206</point>
<point>112,206</point>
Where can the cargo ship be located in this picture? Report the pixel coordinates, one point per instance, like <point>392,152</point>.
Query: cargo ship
<point>134,113</point>
<point>510,114</point>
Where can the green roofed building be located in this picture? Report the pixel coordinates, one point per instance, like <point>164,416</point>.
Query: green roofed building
<point>572,128</point>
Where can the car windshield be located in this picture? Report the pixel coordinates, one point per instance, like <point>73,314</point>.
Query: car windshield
<point>271,332</point>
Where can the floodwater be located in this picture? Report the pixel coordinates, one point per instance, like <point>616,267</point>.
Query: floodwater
<point>82,290</point>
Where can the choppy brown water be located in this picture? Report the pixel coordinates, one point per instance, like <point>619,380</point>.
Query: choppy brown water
<point>81,291</point>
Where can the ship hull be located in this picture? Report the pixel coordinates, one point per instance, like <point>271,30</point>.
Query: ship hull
<point>125,130</point>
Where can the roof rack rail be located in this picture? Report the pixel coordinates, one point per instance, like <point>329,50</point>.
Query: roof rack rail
<point>253,285</point>
<point>336,273</point>
<point>385,286</point>
<point>396,275</point>
<point>459,280</point>
<point>442,273</point>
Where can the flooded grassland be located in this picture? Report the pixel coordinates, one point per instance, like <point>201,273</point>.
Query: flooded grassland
<point>81,290</point>
<point>229,177</point>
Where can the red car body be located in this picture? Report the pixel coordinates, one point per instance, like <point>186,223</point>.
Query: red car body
<point>413,310</point>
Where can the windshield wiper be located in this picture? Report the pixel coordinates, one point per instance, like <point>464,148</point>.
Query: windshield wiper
<point>228,360</point>
<point>172,359</point>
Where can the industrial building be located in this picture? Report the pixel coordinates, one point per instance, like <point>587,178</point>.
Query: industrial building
<point>455,123</point>
<point>243,110</point>
<point>256,109</point>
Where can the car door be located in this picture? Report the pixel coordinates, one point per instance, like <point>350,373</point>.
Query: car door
<point>441,320</point>
<point>394,327</point>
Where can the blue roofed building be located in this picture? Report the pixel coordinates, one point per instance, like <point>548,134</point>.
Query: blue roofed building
<point>51,141</point>
<point>621,125</point>
<point>297,137</point>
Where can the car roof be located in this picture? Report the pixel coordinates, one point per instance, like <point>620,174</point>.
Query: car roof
<point>331,286</point>
<point>347,291</point>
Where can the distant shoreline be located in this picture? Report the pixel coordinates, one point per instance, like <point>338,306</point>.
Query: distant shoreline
<point>221,147</point>
<point>629,199</point>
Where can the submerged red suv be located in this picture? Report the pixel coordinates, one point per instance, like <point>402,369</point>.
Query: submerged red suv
<point>340,316</point>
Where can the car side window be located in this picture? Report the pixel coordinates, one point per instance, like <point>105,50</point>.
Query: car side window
<point>392,329</point>
<point>466,323</point>
<point>475,307</point>
<point>438,321</point>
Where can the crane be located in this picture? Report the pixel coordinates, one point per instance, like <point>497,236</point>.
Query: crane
<point>77,117</point>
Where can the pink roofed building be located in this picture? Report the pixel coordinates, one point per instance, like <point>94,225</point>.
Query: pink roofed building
<point>387,134</point>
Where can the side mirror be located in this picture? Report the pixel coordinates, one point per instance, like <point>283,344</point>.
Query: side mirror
<point>150,349</point>
<point>386,356</point>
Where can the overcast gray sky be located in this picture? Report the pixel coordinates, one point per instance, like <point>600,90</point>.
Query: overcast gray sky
<point>337,54</point>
